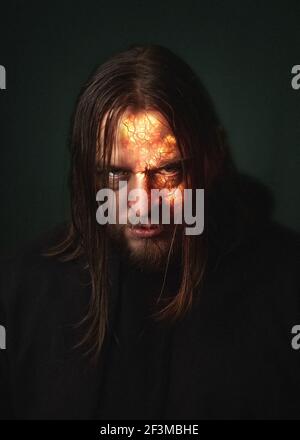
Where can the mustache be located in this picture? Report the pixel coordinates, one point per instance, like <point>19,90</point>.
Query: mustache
<point>145,220</point>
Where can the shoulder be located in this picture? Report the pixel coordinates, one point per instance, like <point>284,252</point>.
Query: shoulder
<point>30,280</point>
<point>260,276</point>
<point>260,279</point>
<point>274,252</point>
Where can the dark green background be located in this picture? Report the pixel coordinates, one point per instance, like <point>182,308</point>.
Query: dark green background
<point>243,51</point>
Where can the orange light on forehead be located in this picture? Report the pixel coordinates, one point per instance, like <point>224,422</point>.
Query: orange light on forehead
<point>147,137</point>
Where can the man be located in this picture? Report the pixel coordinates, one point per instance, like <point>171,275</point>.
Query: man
<point>144,321</point>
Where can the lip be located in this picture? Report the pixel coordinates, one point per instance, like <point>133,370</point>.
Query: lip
<point>145,231</point>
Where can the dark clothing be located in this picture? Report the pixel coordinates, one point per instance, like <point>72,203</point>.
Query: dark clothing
<point>229,357</point>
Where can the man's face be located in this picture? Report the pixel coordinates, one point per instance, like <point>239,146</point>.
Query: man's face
<point>147,157</point>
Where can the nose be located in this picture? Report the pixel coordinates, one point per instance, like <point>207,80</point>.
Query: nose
<point>139,188</point>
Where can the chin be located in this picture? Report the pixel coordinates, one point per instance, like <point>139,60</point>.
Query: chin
<point>149,254</point>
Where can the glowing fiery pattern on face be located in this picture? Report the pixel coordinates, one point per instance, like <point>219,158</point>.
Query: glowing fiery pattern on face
<point>146,134</point>
<point>146,145</point>
<point>146,156</point>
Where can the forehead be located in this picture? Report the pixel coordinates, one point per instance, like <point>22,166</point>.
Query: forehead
<point>144,138</point>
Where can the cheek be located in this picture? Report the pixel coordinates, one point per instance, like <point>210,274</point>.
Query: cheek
<point>121,208</point>
<point>175,197</point>
<point>168,182</point>
<point>119,204</point>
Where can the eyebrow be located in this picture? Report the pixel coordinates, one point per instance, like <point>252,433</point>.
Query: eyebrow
<point>99,167</point>
<point>164,163</point>
<point>173,161</point>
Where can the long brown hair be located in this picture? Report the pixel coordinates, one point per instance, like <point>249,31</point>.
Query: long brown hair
<point>141,77</point>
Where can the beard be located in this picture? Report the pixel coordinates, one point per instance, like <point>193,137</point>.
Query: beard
<point>151,254</point>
